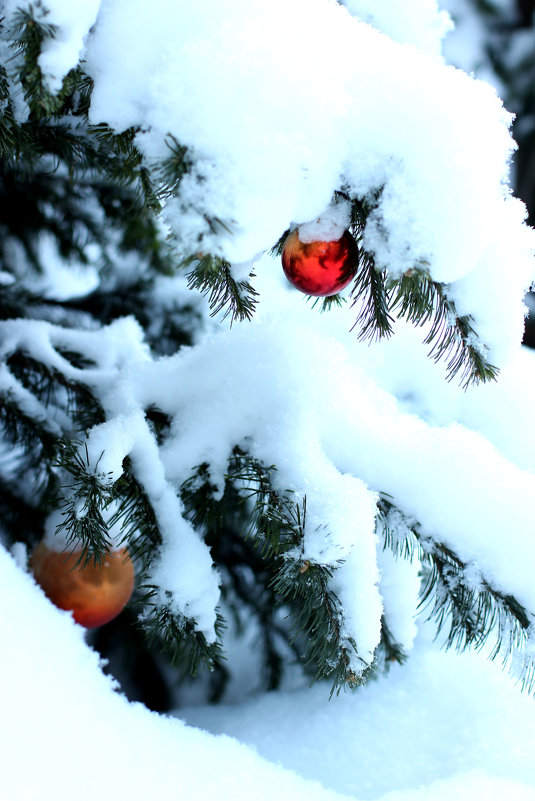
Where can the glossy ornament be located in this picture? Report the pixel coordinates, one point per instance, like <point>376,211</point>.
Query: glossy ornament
<point>95,594</point>
<point>320,268</point>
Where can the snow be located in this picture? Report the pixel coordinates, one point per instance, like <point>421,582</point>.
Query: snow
<point>72,715</point>
<point>273,130</point>
<point>292,411</point>
<point>329,226</point>
<point>62,281</point>
<point>312,122</point>
<point>295,372</point>
<point>195,591</point>
<point>314,125</point>
<point>400,732</point>
<point>425,732</point>
<point>399,586</point>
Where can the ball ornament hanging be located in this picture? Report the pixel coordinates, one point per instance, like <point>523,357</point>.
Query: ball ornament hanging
<point>320,268</point>
<point>95,593</point>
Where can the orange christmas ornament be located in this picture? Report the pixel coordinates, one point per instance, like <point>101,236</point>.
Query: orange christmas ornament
<point>320,268</point>
<point>95,594</point>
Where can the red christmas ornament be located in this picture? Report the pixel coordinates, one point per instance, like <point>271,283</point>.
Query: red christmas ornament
<point>95,594</point>
<point>320,268</point>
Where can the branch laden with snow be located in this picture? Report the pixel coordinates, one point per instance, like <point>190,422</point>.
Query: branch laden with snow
<point>187,144</point>
<point>221,198</point>
<point>459,598</point>
<point>164,417</point>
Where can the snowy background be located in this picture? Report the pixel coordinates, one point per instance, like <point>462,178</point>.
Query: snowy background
<point>444,726</point>
<point>381,109</point>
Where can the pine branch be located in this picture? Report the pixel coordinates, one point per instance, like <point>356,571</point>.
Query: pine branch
<point>85,498</point>
<point>92,505</point>
<point>10,136</point>
<point>31,194</point>
<point>277,248</point>
<point>121,158</point>
<point>318,613</point>
<point>457,597</point>
<point>256,525</point>
<point>207,513</point>
<point>34,443</point>
<point>172,170</point>
<point>28,34</point>
<point>421,300</point>
<point>389,649</point>
<point>25,431</point>
<point>374,320</point>
<point>29,428</point>
<point>369,290</point>
<point>213,278</point>
<point>224,522</point>
<point>69,401</point>
<point>176,635</point>
<point>331,301</point>
<point>135,517</point>
<point>55,160</point>
<point>276,523</point>
<point>278,527</point>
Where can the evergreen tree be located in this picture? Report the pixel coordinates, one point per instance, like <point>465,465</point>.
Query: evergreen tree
<point>106,305</point>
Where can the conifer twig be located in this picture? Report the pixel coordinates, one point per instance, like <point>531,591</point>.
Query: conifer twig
<point>453,338</point>
<point>278,524</point>
<point>369,289</point>
<point>213,278</point>
<point>457,598</point>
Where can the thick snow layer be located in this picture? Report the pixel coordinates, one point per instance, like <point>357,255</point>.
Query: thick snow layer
<point>60,713</point>
<point>426,732</point>
<point>422,737</point>
<point>340,420</point>
<point>306,405</point>
<point>274,130</point>
<point>282,103</point>
<point>307,121</point>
